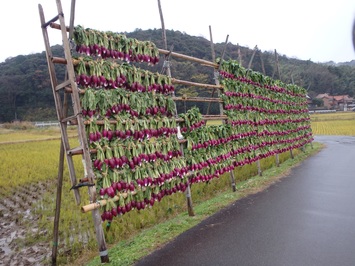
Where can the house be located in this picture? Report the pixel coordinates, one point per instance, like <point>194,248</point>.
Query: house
<point>337,102</point>
<point>327,100</point>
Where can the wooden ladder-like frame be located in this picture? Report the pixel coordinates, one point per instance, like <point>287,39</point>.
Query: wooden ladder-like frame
<point>77,119</point>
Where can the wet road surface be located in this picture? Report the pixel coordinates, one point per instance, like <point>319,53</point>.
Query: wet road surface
<point>308,218</point>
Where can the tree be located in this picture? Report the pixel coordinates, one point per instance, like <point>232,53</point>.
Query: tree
<point>317,102</point>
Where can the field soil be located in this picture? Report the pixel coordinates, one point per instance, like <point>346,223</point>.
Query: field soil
<point>18,221</point>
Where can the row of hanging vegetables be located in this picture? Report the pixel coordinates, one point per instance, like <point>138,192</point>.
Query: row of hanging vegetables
<point>277,112</point>
<point>132,127</point>
<point>130,122</point>
<point>108,44</point>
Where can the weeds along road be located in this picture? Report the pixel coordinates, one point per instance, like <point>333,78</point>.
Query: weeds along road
<point>305,219</point>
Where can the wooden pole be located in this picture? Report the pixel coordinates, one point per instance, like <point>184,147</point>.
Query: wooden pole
<point>167,55</point>
<point>213,60</point>
<point>189,58</point>
<point>162,26</point>
<point>197,99</point>
<point>83,139</point>
<point>61,158</point>
<point>240,56</point>
<point>189,83</point>
<point>219,92</point>
<point>212,46</point>
<point>249,67</point>
<point>190,209</point>
<point>260,172</point>
<point>291,154</point>
<point>58,204</point>
<point>232,178</point>
<point>262,62</point>
<point>215,73</point>
<point>277,68</point>
<point>252,56</point>
<point>277,158</point>
<point>166,52</point>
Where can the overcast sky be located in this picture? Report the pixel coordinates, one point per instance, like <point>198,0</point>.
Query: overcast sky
<point>319,30</point>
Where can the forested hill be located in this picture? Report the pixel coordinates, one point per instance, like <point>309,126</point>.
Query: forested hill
<point>25,90</point>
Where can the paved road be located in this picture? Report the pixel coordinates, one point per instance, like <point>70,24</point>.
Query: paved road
<point>306,219</point>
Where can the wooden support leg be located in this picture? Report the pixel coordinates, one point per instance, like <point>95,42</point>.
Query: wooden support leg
<point>189,201</point>
<point>100,237</point>
<point>260,172</point>
<point>277,160</point>
<point>57,205</point>
<point>234,189</point>
<point>59,189</point>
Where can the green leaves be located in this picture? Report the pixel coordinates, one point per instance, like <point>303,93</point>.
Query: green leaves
<point>114,45</point>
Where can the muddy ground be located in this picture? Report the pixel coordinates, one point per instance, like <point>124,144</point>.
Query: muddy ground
<point>17,220</point>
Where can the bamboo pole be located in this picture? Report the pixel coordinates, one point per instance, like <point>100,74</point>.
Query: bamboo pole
<point>83,139</point>
<point>197,99</point>
<point>59,60</point>
<point>204,117</point>
<point>260,172</point>
<point>103,202</point>
<point>240,56</point>
<point>166,52</point>
<point>276,66</point>
<point>207,86</point>
<point>61,156</point>
<point>175,98</point>
<point>262,63</point>
<point>167,56</point>
<point>190,209</point>
<point>213,60</point>
<point>232,177</point>
<point>249,67</point>
<point>252,56</point>
<point>216,80</point>
<point>59,192</point>
<point>215,73</point>
<point>189,58</point>
<point>277,158</point>
<point>61,159</point>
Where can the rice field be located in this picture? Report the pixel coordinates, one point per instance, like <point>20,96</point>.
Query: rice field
<point>12,135</point>
<point>342,123</point>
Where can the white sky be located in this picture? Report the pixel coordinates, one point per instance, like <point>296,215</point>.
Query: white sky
<point>319,30</point>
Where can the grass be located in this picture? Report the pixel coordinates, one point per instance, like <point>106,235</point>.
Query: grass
<point>128,251</point>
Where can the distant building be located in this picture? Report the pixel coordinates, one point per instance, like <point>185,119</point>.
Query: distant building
<point>337,102</point>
